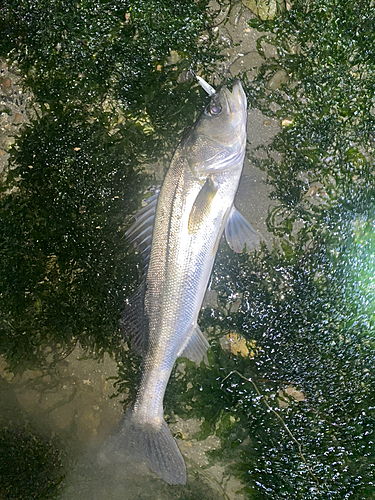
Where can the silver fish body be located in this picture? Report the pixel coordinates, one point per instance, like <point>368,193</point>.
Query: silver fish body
<point>178,235</point>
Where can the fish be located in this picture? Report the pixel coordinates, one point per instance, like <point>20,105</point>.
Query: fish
<point>178,233</point>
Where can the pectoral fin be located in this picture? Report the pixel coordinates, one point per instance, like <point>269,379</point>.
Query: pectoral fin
<point>202,205</point>
<point>238,233</point>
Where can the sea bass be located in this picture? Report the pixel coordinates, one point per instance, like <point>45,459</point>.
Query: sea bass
<point>178,234</point>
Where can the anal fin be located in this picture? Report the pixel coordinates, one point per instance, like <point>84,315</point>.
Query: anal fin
<point>238,233</point>
<point>196,346</point>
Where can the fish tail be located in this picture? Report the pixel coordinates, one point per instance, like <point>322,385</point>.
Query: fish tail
<point>149,443</point>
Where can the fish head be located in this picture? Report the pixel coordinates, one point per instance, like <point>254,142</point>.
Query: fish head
<point>217,142</point>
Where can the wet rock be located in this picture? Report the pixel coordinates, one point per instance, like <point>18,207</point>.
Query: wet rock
<point>269,50</point>
<point>237,345</point>
<point>14,110</point>
<point>17,119</point>
<point>28,399</point>
<point>11,410</point>
<point>173,57</point>
<point>235,14</point>
<point>185,76</point>
<point>279,78</point>
<point>63,368</point>
<point>295,393</point>
<point>265,9</point>
<point>63,417</point>
<point>286,122</point>
<point>88,421</point>
<point>6,83</point>
<point>288,394</point>
<point>5,373</point>
<point>31,374</point>
<point>245,62</point>
<point>47,379</point>
<point>50,401</point>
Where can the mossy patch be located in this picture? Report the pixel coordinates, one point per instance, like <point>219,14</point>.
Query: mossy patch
<point>32,465</point>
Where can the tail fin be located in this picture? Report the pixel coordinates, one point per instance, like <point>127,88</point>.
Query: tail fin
<point>152,444</point>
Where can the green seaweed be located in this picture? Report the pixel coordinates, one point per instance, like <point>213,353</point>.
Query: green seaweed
<point>327,51</point>
<point>32,465</point>
<point>62,266</point>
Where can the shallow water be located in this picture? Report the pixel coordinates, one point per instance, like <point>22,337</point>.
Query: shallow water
<point>286,405</point>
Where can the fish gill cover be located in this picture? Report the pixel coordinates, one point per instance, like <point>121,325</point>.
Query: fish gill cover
<point>292,399</point>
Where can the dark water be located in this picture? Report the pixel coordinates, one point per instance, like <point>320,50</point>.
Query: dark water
<point>97,95</point>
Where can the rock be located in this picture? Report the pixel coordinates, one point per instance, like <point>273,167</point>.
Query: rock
<point>279,78</point>
<point>17,119</point>
<point>270,51</point>
<point>5,373</point>
<point>235,14</point>
<point>286,122</point>
<point>31,375</point>
<point>87,423</point>
<point>63,417</point>
<point>28,399</point>
<point>7,83</point>
<point>52,400</point>
<point>265,9</point>
<point>285,396</point>
<point>237,344</point>
<point>173,57</point>
<point>245,62</point>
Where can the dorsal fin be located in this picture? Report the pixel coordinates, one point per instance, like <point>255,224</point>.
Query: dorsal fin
<point>140,233</point>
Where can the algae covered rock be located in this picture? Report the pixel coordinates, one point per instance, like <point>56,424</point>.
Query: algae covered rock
<point>265,9</point>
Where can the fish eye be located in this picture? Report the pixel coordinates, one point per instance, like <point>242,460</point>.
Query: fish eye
<point>213,109</point>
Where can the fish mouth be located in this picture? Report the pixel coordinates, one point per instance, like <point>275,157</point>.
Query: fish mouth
<point>238,94</point>
<point>234,101</point>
